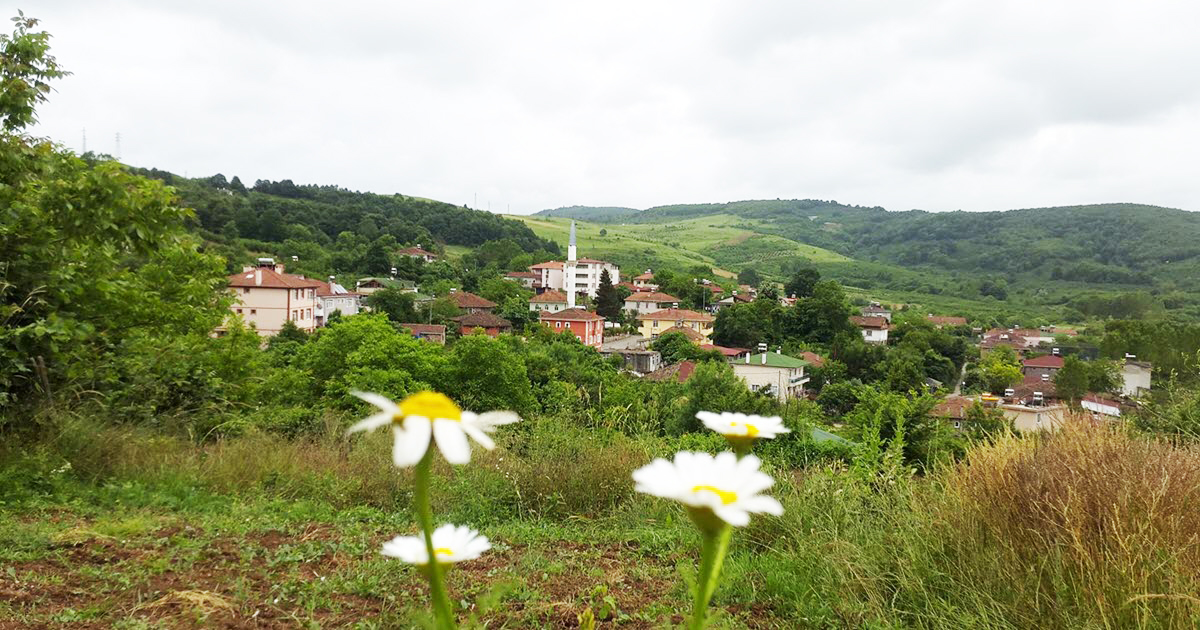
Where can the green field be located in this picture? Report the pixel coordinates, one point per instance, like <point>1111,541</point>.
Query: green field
<point>723,241</point>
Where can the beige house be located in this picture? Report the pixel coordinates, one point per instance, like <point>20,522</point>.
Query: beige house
<point>550,301</point>
<point>267,297</point>
<point>651,325</point>
<point>649,302</point>
<point>777,374</point>
<point>1135,376</point>
<point>1027,418</point>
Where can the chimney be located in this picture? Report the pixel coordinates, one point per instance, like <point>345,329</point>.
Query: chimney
<point>747,358</point>
<point>674,304</point>
<point>453,291</point>
<point>295,258</point>
<point>1054,352</point>
<point>393,272</point>
<point>258,276</point>
<point>1045,377</point>
<point>779,350</point>
<point>764,358</point>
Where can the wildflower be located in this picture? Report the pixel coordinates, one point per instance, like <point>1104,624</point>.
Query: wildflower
<point>723,486</point>
<point>451,543</point>
<point>741,429</point>
<point>427,415</point>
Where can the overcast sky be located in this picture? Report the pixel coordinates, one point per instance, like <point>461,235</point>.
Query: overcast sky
<point>939,105</point>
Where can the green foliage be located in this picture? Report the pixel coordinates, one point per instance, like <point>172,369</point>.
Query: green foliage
<point>802,283</point>
<point>1078,377</point>
<point>901,424</point>
<point>713,385</point>
<point>486,373</point>
<point>398,305</point>
<point>608,301</point>
<point>1000,369</point>
<point>749,276</point>
<point>26,67</point>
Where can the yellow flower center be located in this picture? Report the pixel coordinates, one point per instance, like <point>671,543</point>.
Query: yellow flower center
<point>442,551</point>
<point>429,405</point>
<point>725,497</point>
<point>751,430</point>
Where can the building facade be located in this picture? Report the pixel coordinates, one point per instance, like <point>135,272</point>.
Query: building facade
<point>586,325</point>
<point>267,297</point>
<point>777,374</point>
<point>651,325</point>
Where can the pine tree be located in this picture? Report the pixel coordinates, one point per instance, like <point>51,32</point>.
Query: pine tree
<point>608,301</point>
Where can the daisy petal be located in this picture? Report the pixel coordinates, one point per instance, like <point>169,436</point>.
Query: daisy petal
<point>371,423</point>
<point>479,436</point>
<point>379,401</point>
<point>451,441</point>
<point>491,419</point>
<point>763,504</point>
<point>411,442</point>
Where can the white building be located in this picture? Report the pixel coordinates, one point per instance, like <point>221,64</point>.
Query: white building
<point>331,297</point>
<point>649,302</point>
<point>777,374</point>
<point>576,275</point>
<point>1135,376</point>
<point>267,297</point>
<point>874,329</point>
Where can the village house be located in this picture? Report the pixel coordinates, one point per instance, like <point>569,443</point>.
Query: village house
<point>874,329</point>
<point>1037,367</point>
<point>586,325</point>
<point>651,325</point>
<point>645,281</point>
<point>471,303</point>
<point>677,372</point>
<point>527,279</point>
<point>267,297</point>
<point>729,353</point>
<point>434,333</point>
<point>1029,418</point>
<point>332,297</point>
<point>773,373</point>
<point>875,310</point>
<point>636,361</point>
<point>492,325</point>
<point>548,301</point>
<point>367,286</point>
<point>417,252</point>
<point>1135,376</point>
<point>649,302</point>
<point>954,411</point>
<point>1101,405</point>
<point>733,298</point>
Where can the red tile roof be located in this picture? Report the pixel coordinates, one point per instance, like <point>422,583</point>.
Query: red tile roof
<point>729,352</point>
<point>691,334</point>
<point>677,314</point>
<point>574,314</point>
<point>1048,361</point>
<point>552,264</point>
<point>644,276</point>
<point>464,299</point>
<point>426,329</point>
<point>953,407</point>
<point>813,358</point>
<point>678,372</point>
<point>482,320</point>
<point>549,297</point>
<point>271,279</point>
<point>651,296</point>
<point>324,290</point>
<point>863,321</point>
<point>522,274</point>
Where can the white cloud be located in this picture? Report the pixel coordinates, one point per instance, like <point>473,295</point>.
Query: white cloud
<point>935,104</point>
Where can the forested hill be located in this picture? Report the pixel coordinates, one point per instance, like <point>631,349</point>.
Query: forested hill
<point>1128,244</point>
<point>276,211</point>
<point>590,213</point>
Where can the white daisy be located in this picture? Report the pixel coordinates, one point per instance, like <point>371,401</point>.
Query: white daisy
<point>451,543</point>
<point>725,485</point>
<point>430,414</point>
<point>739,425</point>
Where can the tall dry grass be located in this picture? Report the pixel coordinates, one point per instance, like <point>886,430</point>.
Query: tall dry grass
<point>1089,524</point>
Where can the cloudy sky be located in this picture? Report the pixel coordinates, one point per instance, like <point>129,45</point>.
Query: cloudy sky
<point>938,104</point>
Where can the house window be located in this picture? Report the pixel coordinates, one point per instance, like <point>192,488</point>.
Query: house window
<point>957,424</point>
<point>254,311</point>
<point>309,315</point>
<point>558,324</point>
<point>239,311</point>
<point>246,290</point>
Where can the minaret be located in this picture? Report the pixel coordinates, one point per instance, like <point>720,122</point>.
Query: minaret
<point>569,269</point>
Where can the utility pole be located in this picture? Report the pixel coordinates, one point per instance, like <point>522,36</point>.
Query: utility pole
<point>118,155</point>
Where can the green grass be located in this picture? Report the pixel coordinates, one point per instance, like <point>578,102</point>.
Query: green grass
<point>160,534</point>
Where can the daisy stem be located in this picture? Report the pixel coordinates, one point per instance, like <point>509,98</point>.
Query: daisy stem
<point>437,588</point>
<point>712,556</point>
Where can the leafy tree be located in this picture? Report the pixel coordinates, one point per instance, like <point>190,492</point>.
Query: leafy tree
<point>802,283</point>
<point>923,439</point>
<point>376,260</point>
<point>93,255</point>
<point>674,347</point>
<point>1072,380</point>
<point>1000,369</point>
<point>487,374</point>
<point>608,301</point>
<point>237,186</point>
<point>713,385</point>
<point>289,332</point>
<point>821,317</point>
<point>397,305</point>
<point>749,276</point>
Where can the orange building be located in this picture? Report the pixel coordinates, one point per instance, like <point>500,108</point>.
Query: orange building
<point>586,325</point>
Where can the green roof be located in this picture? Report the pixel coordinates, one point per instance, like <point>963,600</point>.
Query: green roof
<point>821,436</point>
<point>773,360</point>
